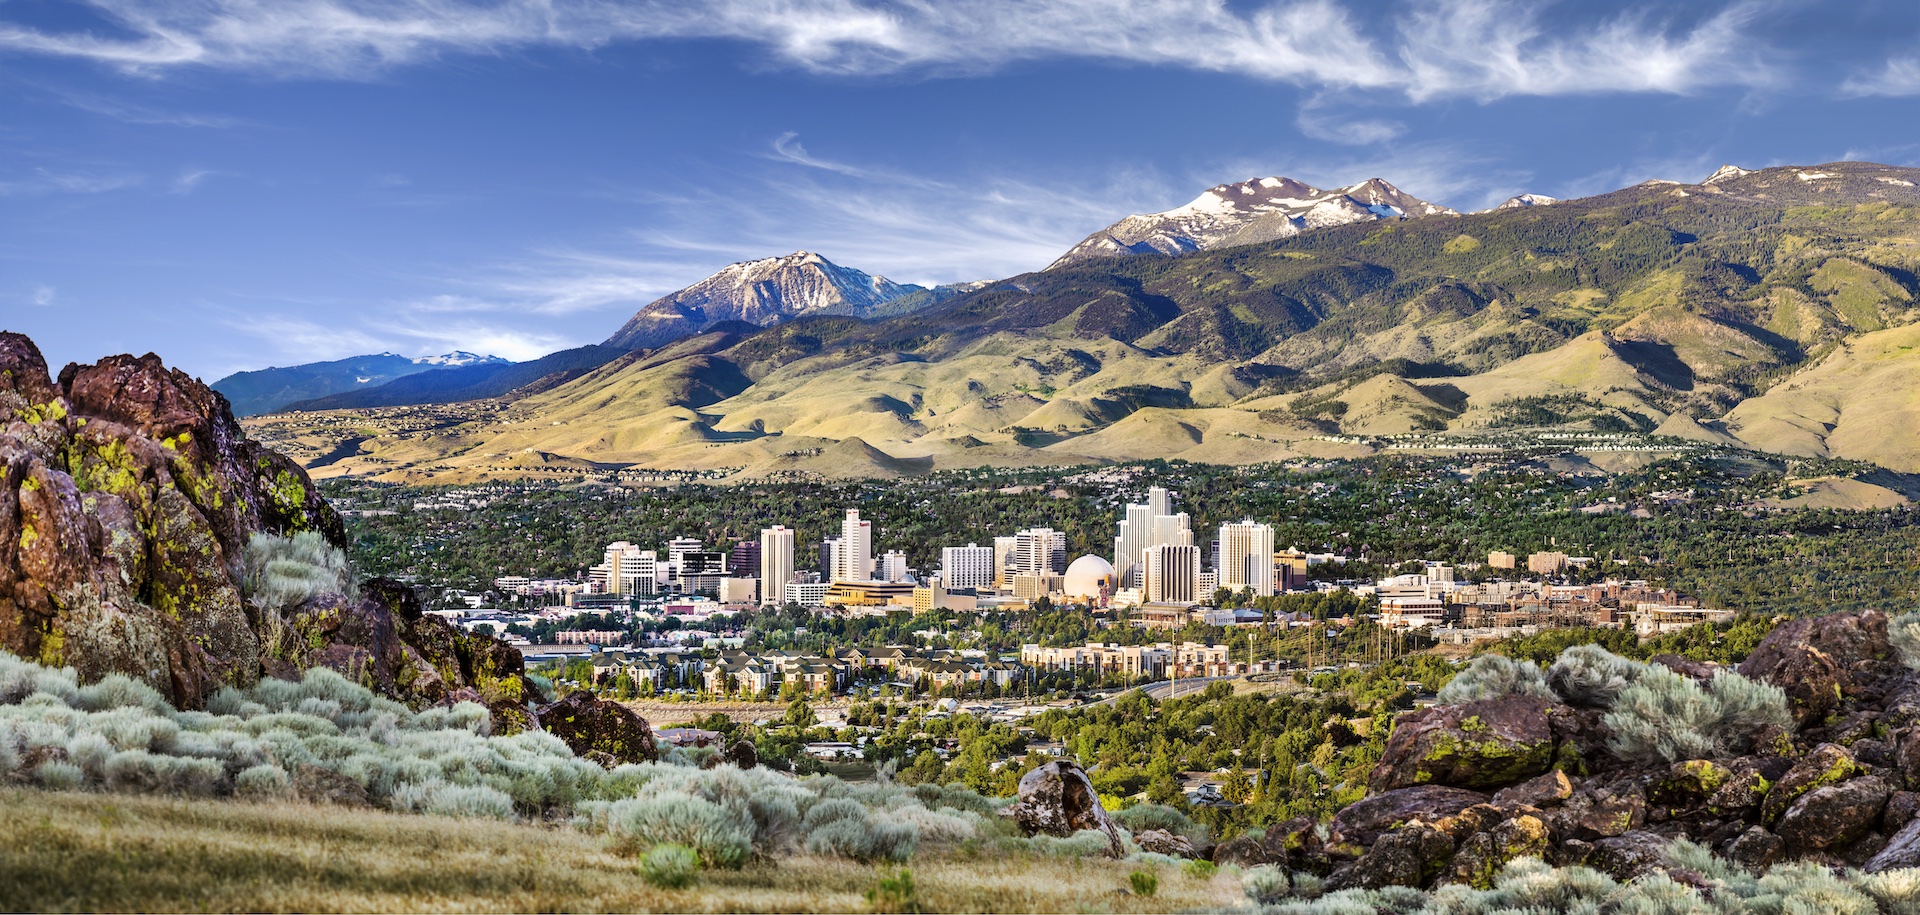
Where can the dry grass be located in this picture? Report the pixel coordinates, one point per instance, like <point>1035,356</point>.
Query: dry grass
<point>105,852</point>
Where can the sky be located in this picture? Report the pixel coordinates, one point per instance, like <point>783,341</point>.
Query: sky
<point>235,184</point>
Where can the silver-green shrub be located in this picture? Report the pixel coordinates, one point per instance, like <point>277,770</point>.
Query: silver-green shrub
<point>1904,632</point>
<point>59,776</point>
<point>1669,717</point>
<point>1493,676</point>
<point>1591,676</point>
<point>279,573</point>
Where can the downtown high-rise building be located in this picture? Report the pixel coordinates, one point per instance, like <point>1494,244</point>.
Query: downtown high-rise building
<point>969,566</point>
<point>853,558</point>
<point>1039,551</point>
<point>632,570</point>
<point>1142,526</point>
<point>1171,574</point>
<point>776,563</point>
<point>1245,560</point>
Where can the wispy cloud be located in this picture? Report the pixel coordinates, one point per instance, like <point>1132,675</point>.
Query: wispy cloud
<point>41,296</point>
<point>1900,76</point>
<point>43,181</point>
<point>1423,49</point>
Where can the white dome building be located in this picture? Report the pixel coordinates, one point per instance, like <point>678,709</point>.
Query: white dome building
<point>1089,578</point>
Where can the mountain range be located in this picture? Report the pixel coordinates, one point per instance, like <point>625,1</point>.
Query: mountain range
<point>1249,212</point>
<point>272,389</point>
<point>1772,309</point>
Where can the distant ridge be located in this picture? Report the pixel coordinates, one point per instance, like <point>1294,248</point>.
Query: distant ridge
<point>467,382</point>
<point>1249,212</point>
<point>271,389</point>
<point>760,292</point>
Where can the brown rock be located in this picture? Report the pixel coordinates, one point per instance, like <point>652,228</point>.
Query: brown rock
<point>1756,848</point>
<point>1541,791</point>
<point>1410,856</point>
<point>1820,660</point>
<point>1600,811</point>
<point>1364,821</point>
<point>1162,842</point>
<point>1629,855</point>
<point>1058,799</point>
<point>1702,671</point>
<point>1828,764</point>
<point>588,724</point>
<point>1482,856</point>
<point>1834,815</point>
<point>1486,744</point>
<point>1902,806</point>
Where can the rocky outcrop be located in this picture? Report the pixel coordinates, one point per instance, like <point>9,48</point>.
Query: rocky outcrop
<point>1819,661</point>
<point>127,496</point>
<point>591,725</point>
<point>1058,799</point>
<point>1481,745</point>
<point>1459,791</point>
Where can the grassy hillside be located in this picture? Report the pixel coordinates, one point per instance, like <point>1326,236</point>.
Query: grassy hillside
<point>1724,312</point>
<point>73,851</point>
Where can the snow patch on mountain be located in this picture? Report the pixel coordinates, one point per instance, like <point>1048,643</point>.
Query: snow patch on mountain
<point>1727,173</point>
<point>1527,200</point>
<point>761,292</point>
<point>1248,212</point>
<point>460,358</point>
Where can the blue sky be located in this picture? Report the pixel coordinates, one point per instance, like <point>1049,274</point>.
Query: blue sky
<point>243,183</point>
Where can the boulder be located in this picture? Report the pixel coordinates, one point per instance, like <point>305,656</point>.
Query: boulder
<point>1820,660</point>
<point>1540,791</point>
<point>1483,854</point>
<point>1487,744</point>
<point>588,724</point>
<point>1903,850</point>
<point>1834,815</point>
<point>1755,848</point>
<point>1600,810</point>
<point>1058,799</point>
<point>1828,764</point>
<point>1701,671</point>
<point>1902,806</point>
<point>1629,855</point>
<point>1364,821</point>
<point>1162,842</point>
<point>1689,782</point>
<point>1410,856</point>
<point>743,754</point>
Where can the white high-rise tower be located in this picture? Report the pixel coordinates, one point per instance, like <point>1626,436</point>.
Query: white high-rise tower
<point>1145,526</point>
<point>1246,557</point>
<point>853,560</point>
<point>776,563</point>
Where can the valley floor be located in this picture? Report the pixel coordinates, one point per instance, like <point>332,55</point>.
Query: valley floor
<point>73,851</point>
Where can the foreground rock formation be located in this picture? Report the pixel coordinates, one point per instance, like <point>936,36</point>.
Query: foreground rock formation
<point>127,496</point>
<point>1462,790</point>
<point>1058,799</point>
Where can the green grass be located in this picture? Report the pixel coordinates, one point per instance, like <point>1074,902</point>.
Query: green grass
<point>91,852</point>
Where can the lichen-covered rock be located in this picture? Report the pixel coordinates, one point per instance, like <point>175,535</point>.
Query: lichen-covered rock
<point>1821,660</point>
<point>1483,854</point>
<point>1058,799</point>
<point>1828,764</point>
<point>1362,822</point>
<point>127,492</point>
<point>1600,810</point>
<point>1834,815</point>
<point>1540,791</point>
<point>589,725</point>
<point>1162,842</point>
<point>1483,745</point>
<point>1409,856</point>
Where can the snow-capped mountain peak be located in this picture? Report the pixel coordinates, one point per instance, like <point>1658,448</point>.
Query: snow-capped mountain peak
<point>1248,212</point>
<point>763,292</point>
<point>1527,200</point>
<point>1727,173</point>
<point>459,358</point>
